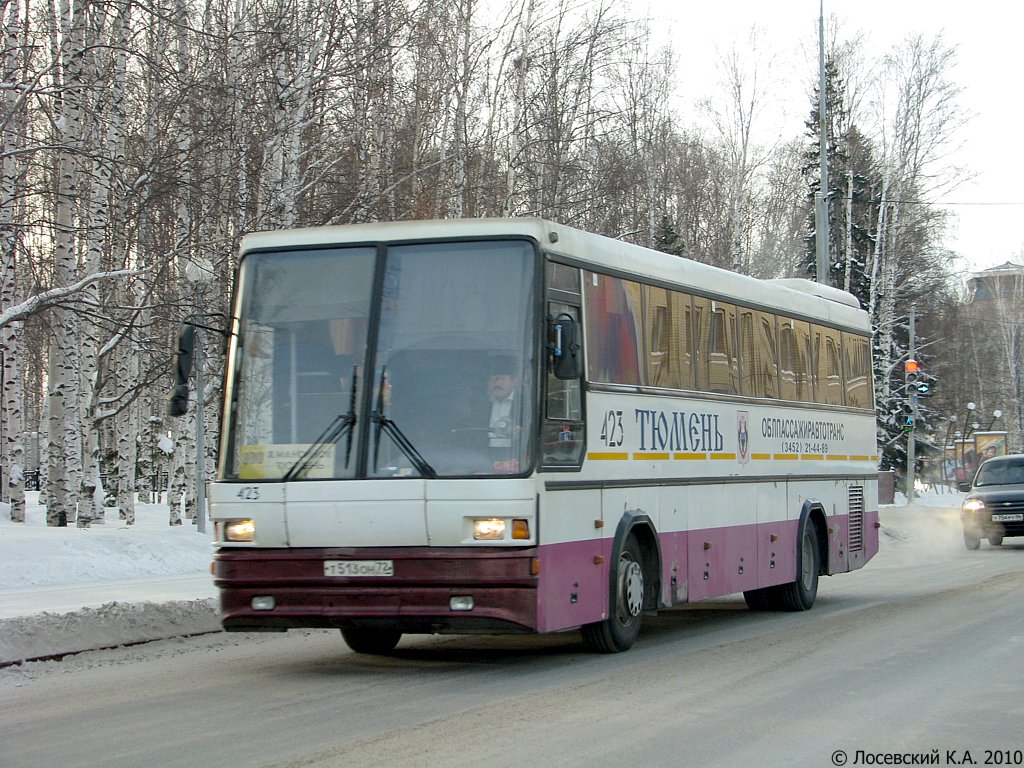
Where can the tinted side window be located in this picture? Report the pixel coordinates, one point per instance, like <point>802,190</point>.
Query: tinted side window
<point>717,361</point>
<point>668,339</point>
<point>759,354</point>
<point>794,360</point>
<point>613,323</point>
<point>857,357</point>
<point>828,371</point>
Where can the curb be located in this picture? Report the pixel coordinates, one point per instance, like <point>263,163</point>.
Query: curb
<point>53,636</point>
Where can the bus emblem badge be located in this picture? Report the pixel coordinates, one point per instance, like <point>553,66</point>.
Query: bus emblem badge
<point>743,436</point>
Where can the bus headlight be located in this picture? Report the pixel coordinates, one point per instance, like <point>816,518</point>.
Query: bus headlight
<point>489,529</point>
<point>239,530</point>
<point>495,529</point>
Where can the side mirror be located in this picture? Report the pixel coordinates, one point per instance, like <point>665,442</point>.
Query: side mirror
<point>178,404</point>
<point>565,350</point>
<point>963,487</point>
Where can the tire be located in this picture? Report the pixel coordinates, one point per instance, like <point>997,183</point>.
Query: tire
<point>759,599</point>
<point>798,595</point>
<point>378,642</point>
<point>996,540</point>
<point>619,631</point>
<point>971,540</point>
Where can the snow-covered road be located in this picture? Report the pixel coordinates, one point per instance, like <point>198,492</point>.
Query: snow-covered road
<point>64,590</point>
<point>914,655</point>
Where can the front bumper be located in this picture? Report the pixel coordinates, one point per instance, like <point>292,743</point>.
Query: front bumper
<point>981,524</point>
<point>416,599</point>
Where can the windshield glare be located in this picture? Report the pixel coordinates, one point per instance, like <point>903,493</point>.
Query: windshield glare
<point>451,392</point>
<point>1000,473</point>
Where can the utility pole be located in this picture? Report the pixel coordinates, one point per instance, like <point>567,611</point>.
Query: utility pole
<point>821,225</point>
<point>912,401</point>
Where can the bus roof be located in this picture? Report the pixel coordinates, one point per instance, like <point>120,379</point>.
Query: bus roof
<point>796,297</point>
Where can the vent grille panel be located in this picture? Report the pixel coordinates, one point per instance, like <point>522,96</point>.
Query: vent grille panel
<point>856,500</point>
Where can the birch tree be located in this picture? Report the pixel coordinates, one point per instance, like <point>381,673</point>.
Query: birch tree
<point>734,119</point>
<point>12,124</point>
<point>921,117</point>
<point>63,444</point>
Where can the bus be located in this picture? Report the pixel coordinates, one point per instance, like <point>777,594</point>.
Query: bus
<point>511,426</point>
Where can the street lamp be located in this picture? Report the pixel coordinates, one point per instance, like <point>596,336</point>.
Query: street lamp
<point>970,410</point>
<point>996,414</point>
<point>966,433</point>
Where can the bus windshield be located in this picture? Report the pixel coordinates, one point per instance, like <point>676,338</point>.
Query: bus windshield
<point>431,377</point>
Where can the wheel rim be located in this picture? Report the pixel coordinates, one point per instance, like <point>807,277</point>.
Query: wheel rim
<point>807,562</point>
<point>631,588</point>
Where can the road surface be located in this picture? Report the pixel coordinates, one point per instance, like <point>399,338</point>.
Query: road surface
<point>919,654</point>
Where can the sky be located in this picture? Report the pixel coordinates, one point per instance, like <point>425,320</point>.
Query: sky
<point>986,209</point>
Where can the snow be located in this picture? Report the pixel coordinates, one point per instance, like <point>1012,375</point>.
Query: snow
<point>33,555</point>
<point>64,590</point>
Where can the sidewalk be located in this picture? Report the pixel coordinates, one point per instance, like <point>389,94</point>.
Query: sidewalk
<point>43,622</point>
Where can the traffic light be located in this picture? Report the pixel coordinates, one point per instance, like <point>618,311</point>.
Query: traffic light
<point>915,384</point>
<point>911,372</point>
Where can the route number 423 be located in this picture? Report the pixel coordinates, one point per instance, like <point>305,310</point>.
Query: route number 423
<point>611,429</point>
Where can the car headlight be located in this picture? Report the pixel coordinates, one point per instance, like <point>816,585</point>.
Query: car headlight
<point>973,505</point>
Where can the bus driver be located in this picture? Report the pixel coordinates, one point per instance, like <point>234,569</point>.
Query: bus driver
<point>502,387</point>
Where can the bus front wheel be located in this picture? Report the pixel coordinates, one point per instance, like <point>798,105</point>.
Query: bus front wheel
<point>619,631</point>
<point>373,641</point>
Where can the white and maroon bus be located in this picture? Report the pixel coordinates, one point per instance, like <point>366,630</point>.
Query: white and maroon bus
<point>511,426</point>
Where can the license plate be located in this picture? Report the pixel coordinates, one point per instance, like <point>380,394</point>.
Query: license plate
<point>355,568</point>
<point>1018,518</point>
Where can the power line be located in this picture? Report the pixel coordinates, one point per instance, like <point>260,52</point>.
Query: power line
<point>876,201</point>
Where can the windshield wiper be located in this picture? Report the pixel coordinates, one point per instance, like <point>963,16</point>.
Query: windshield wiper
<point>340,426</point>
<point>384,424</point>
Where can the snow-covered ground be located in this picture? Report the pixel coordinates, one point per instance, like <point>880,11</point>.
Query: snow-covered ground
<point>33,555</point>
<point>71,589</point>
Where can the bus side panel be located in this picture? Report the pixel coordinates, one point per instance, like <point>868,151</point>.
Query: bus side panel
<point>723,559</point>
<point>673,538</point>
<point>871,526</point>
<point>573,588</point>
<point>776,532</point>
<point>860,523</point>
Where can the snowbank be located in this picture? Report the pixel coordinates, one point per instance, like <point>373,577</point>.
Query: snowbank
<point>33,555</point>
<point>159,574</point>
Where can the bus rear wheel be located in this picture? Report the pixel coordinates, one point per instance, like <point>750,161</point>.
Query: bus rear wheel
<point>798,595</point>
<point>620,630</point>
<point>370,640</point>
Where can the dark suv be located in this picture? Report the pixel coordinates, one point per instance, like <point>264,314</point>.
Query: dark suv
<point>994,506</point>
